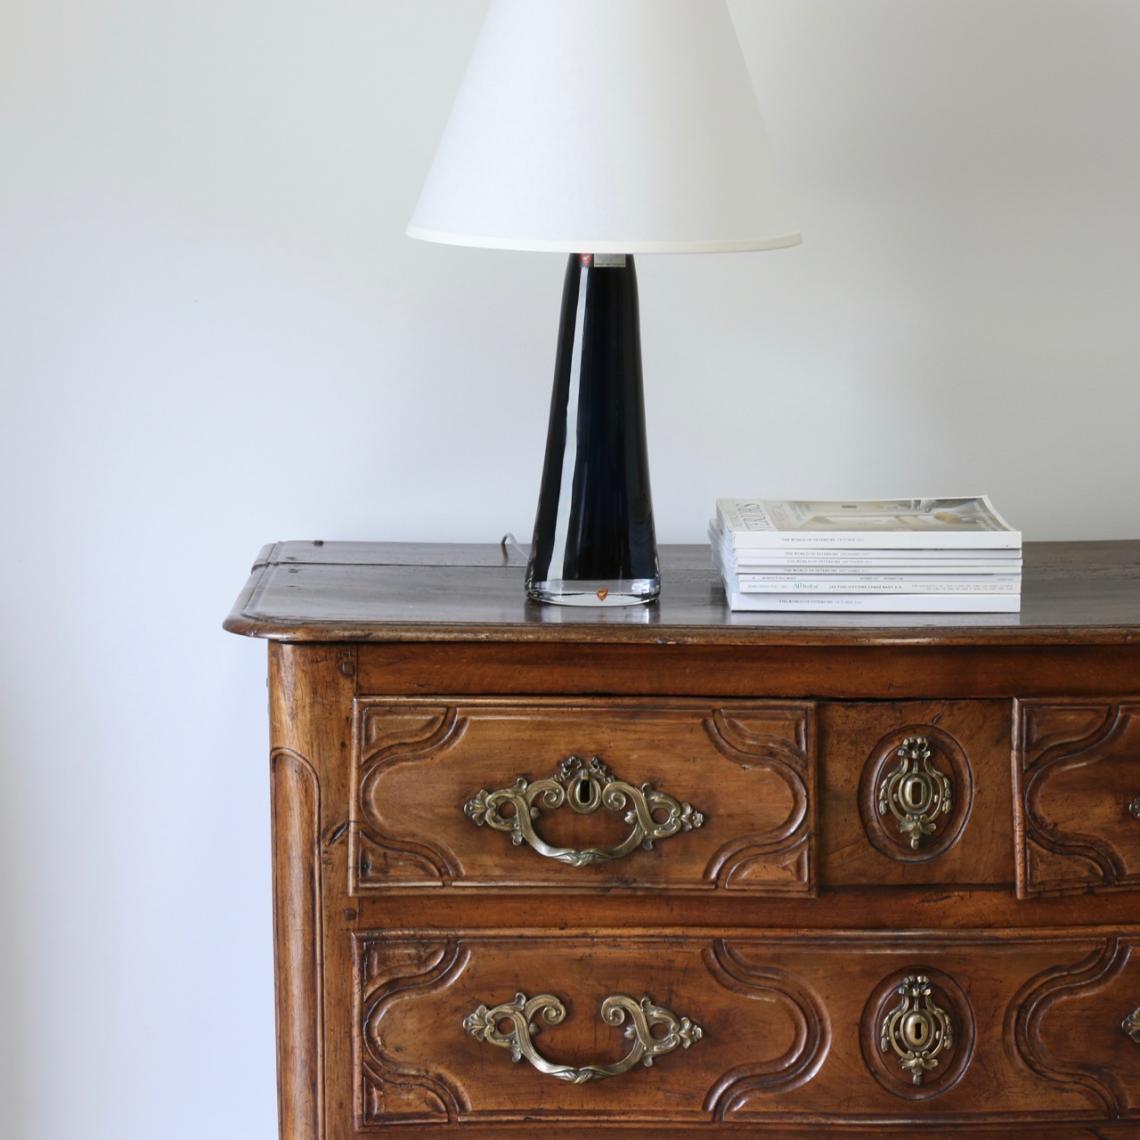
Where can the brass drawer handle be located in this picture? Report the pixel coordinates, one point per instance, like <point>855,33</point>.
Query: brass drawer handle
<point>643,1017</point>
<point>915,792</point>
<point>586,786</point>
<point>1134,807</point>
<point>1131,1025</point>
<point>917,1030</point>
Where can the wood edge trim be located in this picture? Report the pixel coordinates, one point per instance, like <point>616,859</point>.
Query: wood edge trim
<point>840,936</point>
<point>297,945</point>
<point>811,779</point>
<point>1016,759</point>
<point>297,629</point>
<point>237,621</point>
<point>265,555</point>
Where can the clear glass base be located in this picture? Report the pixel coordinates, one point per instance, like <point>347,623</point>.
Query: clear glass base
<point>619,592</point>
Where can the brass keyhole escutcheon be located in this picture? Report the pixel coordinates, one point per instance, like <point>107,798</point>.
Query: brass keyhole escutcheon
<point>918,1030</point>
<point>915,792</point>
<point>584,786</point>
<point>916,795</point>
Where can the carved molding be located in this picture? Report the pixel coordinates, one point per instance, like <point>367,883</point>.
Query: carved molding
<point>730,1097</point>
<point>942,1005</point>
<point>1054,739</point>
<point>775,742</point>
<point>393,1090</point>
<point>1035,1001</point>
<point>947,758</point>
<point>782,740</point>
<point>918,1030</point>
<point>388,1091</point>
<point>376,858</point>
<point>296,811</point>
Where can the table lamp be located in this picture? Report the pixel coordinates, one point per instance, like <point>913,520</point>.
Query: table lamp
<point>602,129</point>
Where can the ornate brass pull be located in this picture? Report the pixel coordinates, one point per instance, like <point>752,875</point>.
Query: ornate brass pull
<point>586,785</point>
<point>643,1018</point>
<point>1131,1025</point>
<point>915,792</point>
<point>917,1030</point>
<point>1134,807</point>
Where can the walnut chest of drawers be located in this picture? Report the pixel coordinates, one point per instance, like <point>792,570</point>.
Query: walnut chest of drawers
<point>673,871</point>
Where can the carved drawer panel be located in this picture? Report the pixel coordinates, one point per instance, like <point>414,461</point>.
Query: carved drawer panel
<point>915,793</point>
<point>583,795</point>
<point>499,1027</point>
<point>1077,795</point>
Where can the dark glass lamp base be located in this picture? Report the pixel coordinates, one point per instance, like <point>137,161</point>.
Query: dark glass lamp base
<point>594,538</point>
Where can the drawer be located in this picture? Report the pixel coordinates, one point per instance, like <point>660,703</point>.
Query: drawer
<point>684,1029</point>
<point>915,793</point>
<point>583,795</point>
<point>1077,789</point>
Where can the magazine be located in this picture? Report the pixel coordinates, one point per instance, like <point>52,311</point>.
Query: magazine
<point>881,524</point>
<point>872,584</point>
<point>759,561</point>
<point>877,603</point>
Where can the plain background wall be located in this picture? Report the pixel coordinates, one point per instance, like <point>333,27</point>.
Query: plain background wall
<point>213,333</point>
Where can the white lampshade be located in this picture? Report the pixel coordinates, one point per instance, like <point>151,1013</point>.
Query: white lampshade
<point>605,126</point>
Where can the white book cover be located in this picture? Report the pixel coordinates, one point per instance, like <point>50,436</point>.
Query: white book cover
<point>1008,561</point>
<point>873,584</point>
<point>871,603</point>
<point>851,562</point>
<point>803,563</point>
<point>880,570</point>
<point>941,523</point>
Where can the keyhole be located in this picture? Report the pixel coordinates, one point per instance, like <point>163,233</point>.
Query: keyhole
<point>915,795</point>
<point>584,792</point>
<point>916,1031</point>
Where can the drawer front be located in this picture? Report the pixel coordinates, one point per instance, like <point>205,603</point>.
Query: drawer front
<point>914,793</point>
<point>1077,795</point>
<point>583,796</point>
<point>980,1030</point>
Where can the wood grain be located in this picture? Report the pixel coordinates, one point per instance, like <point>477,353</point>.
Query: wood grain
<point>1066,1025</point>
<point>748,768</point>
<point>858,747</point>
<point>297,925</point>
<point>310,723</point>
<point>395,592</point>
<point>1077,788</point>
<point>790,1030</point>
<point>405,678</point>
<point>842,671</point>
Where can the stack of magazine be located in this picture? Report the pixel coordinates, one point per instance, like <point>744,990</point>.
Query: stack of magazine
<point>892,555</point>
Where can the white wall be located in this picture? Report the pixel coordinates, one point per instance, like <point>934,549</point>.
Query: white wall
<point>213,333</point>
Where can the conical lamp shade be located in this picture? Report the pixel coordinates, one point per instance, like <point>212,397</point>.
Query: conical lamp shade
<point>605,126</point>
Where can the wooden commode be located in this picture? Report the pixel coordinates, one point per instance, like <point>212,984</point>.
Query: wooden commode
<point>672,871</point>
